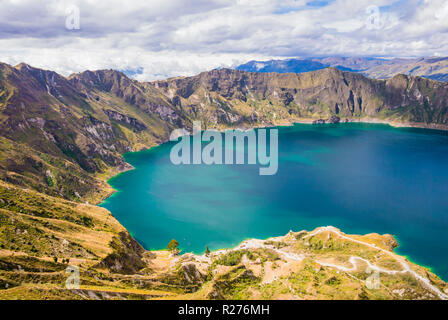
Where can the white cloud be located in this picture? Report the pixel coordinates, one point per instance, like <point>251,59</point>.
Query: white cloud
<point>175,37</point>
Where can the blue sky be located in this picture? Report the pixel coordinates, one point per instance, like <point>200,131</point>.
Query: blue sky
<point>287,8</point>
<point>163,38</point>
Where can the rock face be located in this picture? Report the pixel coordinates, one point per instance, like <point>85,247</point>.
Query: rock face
<point>121,118</point>
<point>79,126</point>
<point>329,92</point>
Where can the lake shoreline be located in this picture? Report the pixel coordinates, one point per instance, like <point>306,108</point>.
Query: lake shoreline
<point>371,241</point>
<point>283,123</point>
<point>278,124</point>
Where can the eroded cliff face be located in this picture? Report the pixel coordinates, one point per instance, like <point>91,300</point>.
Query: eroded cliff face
<point>320,93</point>
<point>78,127</point>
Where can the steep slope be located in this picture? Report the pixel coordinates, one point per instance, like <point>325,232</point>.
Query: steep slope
<point>62,140</point>
<point>432,68</point>
<point>242,97</point>
<point>41,235</point>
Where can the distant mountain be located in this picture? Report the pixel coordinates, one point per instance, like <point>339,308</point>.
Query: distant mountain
<point>432,68</point>
<point>312,64</point>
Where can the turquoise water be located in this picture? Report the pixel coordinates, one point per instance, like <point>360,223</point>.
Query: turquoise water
<point>360,178</point>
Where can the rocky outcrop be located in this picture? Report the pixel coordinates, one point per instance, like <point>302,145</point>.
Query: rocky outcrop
<point>333,119</point>
<point>121,118</point>
<point>224,285</point>
<point>91,118</point>
<point>127,257</point>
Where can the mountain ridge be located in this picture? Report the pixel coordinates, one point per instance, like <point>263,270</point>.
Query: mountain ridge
<point>435,68</point>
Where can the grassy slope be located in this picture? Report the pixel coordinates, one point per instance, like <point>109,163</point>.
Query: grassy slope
<point>289,267</point>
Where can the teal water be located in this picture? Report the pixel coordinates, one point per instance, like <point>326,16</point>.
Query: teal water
<point>360,178</point>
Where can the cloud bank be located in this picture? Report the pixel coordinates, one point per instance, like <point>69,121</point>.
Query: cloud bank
<point>164,38</point>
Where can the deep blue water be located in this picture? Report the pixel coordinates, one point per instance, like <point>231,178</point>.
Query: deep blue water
<point>360,178</point>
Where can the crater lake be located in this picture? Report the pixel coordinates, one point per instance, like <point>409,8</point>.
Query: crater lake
<point>360,178</point>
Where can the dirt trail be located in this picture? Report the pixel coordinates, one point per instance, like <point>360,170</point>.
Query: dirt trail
<point>406,267</point>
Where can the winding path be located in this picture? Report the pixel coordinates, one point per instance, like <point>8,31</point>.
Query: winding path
<point>406,267</point>
<point>256,243</point>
